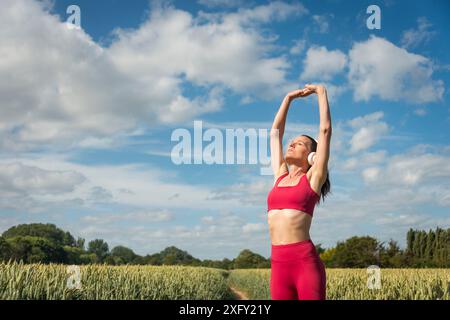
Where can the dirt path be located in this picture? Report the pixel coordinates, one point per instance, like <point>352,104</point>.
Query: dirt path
<point>239,294</point>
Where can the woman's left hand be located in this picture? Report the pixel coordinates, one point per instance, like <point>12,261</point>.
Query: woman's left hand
<point>299,93</point>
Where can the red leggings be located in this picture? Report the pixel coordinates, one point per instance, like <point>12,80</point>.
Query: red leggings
<point>297,272</point>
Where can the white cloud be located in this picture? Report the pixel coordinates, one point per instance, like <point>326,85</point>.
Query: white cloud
<point>369,129</point>
<point>414,37</point>
<point>400,219</point>
<point>420,112</point>
<point>273,11</point>
<point>366,137</point>
<point>254,192</point>
<point>379,216</point>
<point>209,49</point>
<point>387,203</point>
<point>322,64</point>
<point>207,219</point>
<point>254,227</point>
<point>371,174</point>
<point>321,21</point>
<point>138,216</point>
<point>376,68</point>
<point>69,90</point>
<point>221,3</point>
<point>298,47</point>
<point>99,194</point>
<point>379,68</point>
<point>46,182</point>
<point>414,169</point>
<point>77,93</point>
<point>364,160</point>
<point>418,168</point>
<point>16,178</point>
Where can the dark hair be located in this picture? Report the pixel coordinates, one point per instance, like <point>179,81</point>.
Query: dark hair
<point>326,188</point>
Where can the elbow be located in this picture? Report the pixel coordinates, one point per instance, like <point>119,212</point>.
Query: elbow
<point>326,129</point>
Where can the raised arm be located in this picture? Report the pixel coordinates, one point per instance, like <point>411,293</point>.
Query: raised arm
<point>278,163</point>
<point>320,167</point>
<point>276,138</point>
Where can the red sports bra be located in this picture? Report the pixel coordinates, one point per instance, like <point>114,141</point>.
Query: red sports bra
<point>300,197</point>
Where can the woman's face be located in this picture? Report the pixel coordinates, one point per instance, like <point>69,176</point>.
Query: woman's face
<point>298,149</point>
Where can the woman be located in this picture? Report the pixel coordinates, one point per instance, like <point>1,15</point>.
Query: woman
<point>296,269</point>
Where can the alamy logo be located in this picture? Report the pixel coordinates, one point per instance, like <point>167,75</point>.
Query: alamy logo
<point>74,280</point>
<point>230,148</point>
<point>374,21</point>
<point>74,20</point>
<point>374,278</point>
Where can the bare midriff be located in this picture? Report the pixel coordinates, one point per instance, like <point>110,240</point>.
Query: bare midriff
<point>288,226</point>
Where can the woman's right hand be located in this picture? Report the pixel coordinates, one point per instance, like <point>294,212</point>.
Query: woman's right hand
<point>300,93</point>
<point>316,88</point>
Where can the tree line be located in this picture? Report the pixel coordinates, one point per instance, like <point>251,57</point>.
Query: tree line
<point>45,243</point>
<point>423,250</point>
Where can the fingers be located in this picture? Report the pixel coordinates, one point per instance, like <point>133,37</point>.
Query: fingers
<point>317,88</point>
<point>299,92</point>
<point>306,92</point>
<point>302,92</point>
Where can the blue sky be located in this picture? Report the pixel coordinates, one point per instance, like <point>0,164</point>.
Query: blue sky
<point>88,114</point>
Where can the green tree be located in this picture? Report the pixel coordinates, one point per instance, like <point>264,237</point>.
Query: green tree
<point>73,255</point>
<point>139,260</point>
<point>114,261</point>
<point>441,256</point>
<point>249,259</point>
<point>174,256</point>
<point>36,249</point>
<point>422,244</point>
<point>357,252</point>
<point>154,259</point>
<point>328,257</point>
<point>47,231</point>
<point>410,240</point>
<point>319,248</point>
<point>80,243</point>
<point>123,255</point>
<point>429,246</point>
<point>416,257</point>
<point>5,249</point>
<point>100,248</point>
<point>89,258</point>
<point>392,256</point>
<point>226,264</point>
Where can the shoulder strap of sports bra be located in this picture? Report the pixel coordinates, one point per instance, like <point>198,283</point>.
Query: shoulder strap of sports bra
<point>280,177</point>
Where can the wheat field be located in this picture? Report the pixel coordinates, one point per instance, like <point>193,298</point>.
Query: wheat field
<point>101,282</point>
<point>356,284</point>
